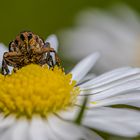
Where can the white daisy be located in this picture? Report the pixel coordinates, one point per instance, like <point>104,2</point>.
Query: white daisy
<point>111,32</point>
<point>39,104</point>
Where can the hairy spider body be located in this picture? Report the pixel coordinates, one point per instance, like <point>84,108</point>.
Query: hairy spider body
<point>28,48</point>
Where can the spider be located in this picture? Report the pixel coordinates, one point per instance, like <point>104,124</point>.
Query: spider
<point>28,48</point>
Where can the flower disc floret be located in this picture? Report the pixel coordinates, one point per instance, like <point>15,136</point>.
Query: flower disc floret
<point>36,90</point>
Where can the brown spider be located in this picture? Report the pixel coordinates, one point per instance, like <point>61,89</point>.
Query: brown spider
<point>28,48</point>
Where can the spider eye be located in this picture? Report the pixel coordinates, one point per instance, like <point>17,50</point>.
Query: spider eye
<point>22,37</point>
<point>30,36</point>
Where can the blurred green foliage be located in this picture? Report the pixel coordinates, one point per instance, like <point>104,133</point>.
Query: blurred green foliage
<point>45,16</point>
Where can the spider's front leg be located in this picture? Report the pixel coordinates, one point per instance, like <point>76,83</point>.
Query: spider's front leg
<point>49,57</point>
<point>11,59</point>
<point>4,68</point>
<point>47,49</point>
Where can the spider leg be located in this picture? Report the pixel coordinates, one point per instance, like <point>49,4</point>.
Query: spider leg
<point>48,50</point>
<point>8,59</point>
<point>15,69</point>
<point>49,60</point>
<point>57,59</point>
<point>4,68</point>
<point>49,56</point>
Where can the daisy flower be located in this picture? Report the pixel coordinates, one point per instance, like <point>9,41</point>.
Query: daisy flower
<point>111,32</point>
<point>39,103</point>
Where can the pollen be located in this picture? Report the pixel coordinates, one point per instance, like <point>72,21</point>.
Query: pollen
<point>36,90</point>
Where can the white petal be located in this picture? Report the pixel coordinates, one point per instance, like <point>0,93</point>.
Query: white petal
<point>6,128</point>
<point>69,114</point>
<point>20,131</point>
<point>39,130</point>
<point>128,99</point>
<point>109,77</point>
<point>113,113</point>
<point>124,122</point>
<point>136,104</point>
<point>3,49</point>
<point>84,66</point>
<point>6,122</point>
<point>117,35</point>
<point>124,78</point>
<point>121,89</point>
<point>57,129</point>
<point>70,131</point>
<point>52,39</point>
<point>86,78</point>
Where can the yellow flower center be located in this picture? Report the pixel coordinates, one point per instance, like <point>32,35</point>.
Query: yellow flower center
<point>36,90</point>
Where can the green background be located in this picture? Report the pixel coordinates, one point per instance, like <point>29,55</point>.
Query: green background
<point>45,17</point>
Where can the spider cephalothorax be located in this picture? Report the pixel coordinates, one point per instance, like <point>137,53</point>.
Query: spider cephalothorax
<point>28,48</point>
